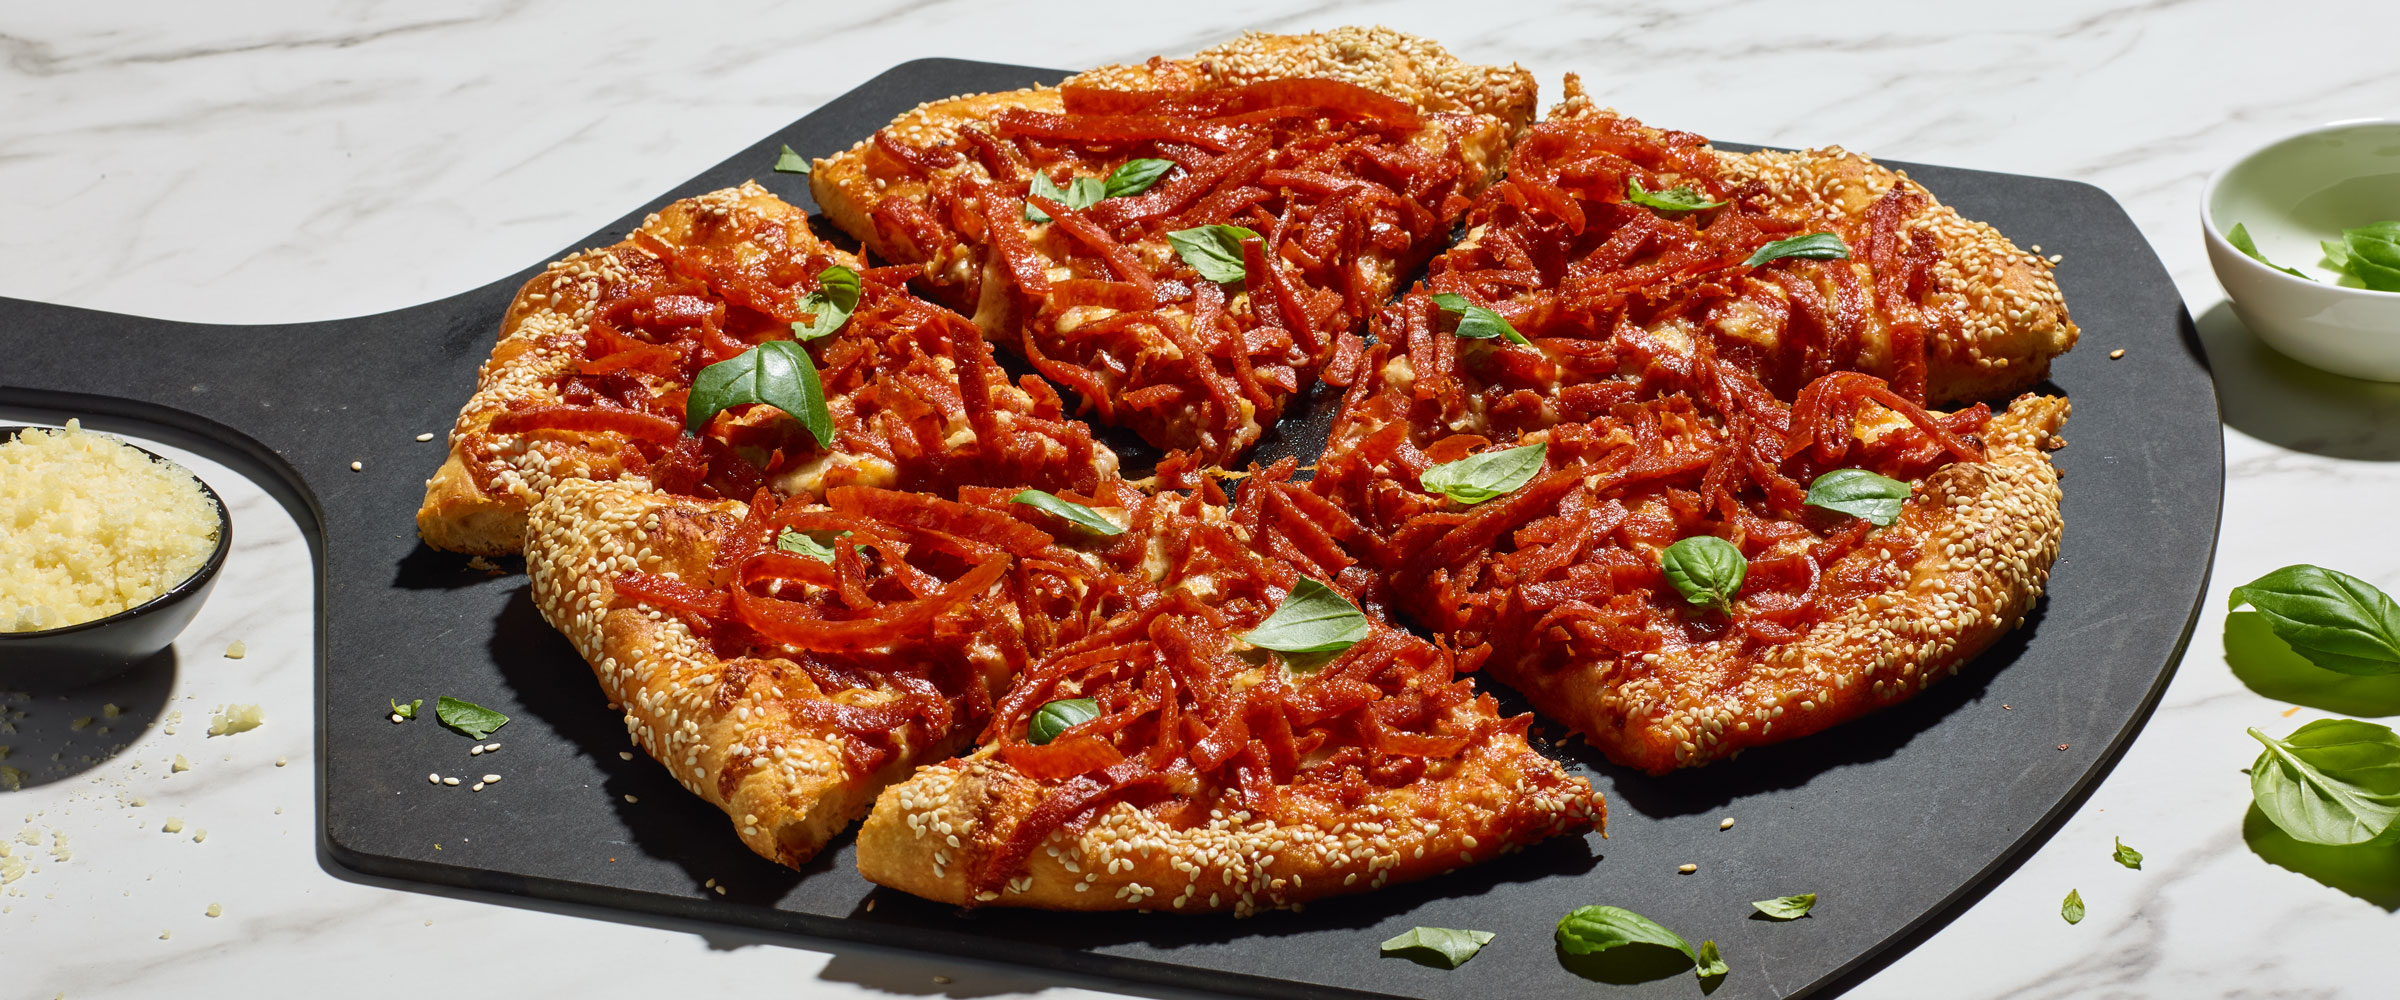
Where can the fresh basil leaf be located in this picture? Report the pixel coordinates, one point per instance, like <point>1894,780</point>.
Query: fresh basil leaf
<point>1214,251</point>
<point>2336,255</point>
<point>2338,621</point>
<point>831,304</point>
<point>2127,856</point>
<point>1859,493</point>
<point>1812,246</point>
<point>1593,929</point>
<point>467,717</point>
<point>1438,945</point>
<point>1135,177</point>
<point>1078,513</point>
<point>2333,781</point>
<point>1787,907</point>
<point>1079,194</point>
<point>1708,963</point>
<point>1313,618</point>
<point>777,373</point>
<point>1477,478</point>
<point>1476,322</point>
<point>408,711</point>
<point>790,162</point>
<point>800,544</point>
<point>1674,199</point>
<point>1059,716</point>
<point>2072,908</point>
<point>1707,569</point>
<point>2374,255</point>
<point>2240,238</point>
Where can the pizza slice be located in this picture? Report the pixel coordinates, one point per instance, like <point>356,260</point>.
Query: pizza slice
<point>1183,243</point>
<point>598,357</point>
<point>1241,737</point>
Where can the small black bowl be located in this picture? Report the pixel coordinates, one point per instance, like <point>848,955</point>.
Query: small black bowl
<point>76,655</point>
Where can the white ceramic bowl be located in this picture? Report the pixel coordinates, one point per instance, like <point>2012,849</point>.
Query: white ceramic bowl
<point>2288,195</point>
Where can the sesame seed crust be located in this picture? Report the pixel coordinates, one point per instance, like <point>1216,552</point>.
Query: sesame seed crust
<point>1987,533</point>
<point>1995,315</point>
<point>542,338</point>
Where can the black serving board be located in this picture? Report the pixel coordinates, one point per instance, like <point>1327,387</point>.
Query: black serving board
<point>1896,820</point>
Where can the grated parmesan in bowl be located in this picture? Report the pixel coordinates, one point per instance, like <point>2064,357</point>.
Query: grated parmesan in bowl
<point>93,526</point>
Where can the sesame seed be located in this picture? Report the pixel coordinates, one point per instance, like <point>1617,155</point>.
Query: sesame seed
<point>1727,824</point>
<point>450,781</point>
<point>425,437</point>
<point>1688,869</point>
<point>491,779</point>
<point>435,778</point>
<point>2115,354</point>
<point>356,466</point>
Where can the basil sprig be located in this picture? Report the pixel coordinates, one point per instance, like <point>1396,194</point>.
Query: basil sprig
<point>2370,253</point>
<point>2333,781</point>
<point>1059,716</point>
<point>2072,909</point>
<point>800,543</point>
<point>1214,251</point>
<point>1812,246</point>
<point>1313,618</point>
<point>408,711</point>
<point>1594,929</point>
<point>1136,176</point>
<point>830,305</point>
<point>1859,493</point>
<point>2239,236</point>
<point>1075,512</point>
<point>1787,907</point>
<point>1477,478</point>
<point>1079,194</point>
<point>1674,199</point>
<point>2127,856</point>
<point>777,373</point>
<point>2338,621</point>
<point>1709,963</point>
<point>467,717</point>
<point>1441,946</point>
<point>790,162</point>
<point>1476,322</point>
<point>1708,570</point>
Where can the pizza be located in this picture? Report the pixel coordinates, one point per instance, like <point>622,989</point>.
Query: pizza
<point>597,355</point>
<point>1182,244</point>
<point>1694,449</point>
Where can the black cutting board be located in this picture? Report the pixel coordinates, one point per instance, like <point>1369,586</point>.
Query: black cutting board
<point>1895,820</point>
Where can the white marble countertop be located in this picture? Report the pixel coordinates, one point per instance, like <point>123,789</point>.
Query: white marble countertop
<point>262,162</point>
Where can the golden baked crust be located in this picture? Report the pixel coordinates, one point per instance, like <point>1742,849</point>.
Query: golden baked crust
<point>912,212</point>
<point>542,337</point>
<point>727,730</point>
<point>1986,534</point>
<point>1995,316</point>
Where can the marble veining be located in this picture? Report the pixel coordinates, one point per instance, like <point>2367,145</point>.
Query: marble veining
<point>261,162</point>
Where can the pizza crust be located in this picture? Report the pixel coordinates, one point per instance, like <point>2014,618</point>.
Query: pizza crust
<point>1987,533</point>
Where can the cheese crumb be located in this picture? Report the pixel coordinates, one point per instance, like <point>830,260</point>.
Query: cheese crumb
<point>181,765</point>
<point>174,825</point>
<point>236,649</point>
<point>11,779</point>
<point>110,711</point>
<point>215,910</point>
<point>279,761</point>
<point>233,719</point>
<point>199,836</point>
<point>163,935</point>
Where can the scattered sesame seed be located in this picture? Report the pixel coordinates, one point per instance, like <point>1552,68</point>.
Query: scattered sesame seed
<point>629,798</point>
<point>450,781</point>
<point>425,437</point>
<point>435,778</point>
<point>720,890</point>
<point>2115,354</point>
<point>941,980</point>
<point>396,719</point>
<point>624,755</point>
<point>491,779</point>
<point>489,747</point>
<point>478,786</point>
<point>356,466</point>
<point>477,752</point>
<point>1727,825</point>
<point>1688,869</point>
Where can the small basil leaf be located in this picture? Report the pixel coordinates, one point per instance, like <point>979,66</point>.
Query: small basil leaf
<point>1708,963</point>
<point>1859,493</point>
<point>1674,199</point>
<point>2240,238</point>
<point>777,373</point>
<point>1079,194</point>
<point>1592,929</point>
<point>790,162</point>
<point>2338,621</point>
<point>2333,781</point>
<point>408,711</point>
<point>1214,251</point>
<point>1313,618</point>
<point>1787,907</point>
<point>2072,908</point>
<point>1707,569</point>
<point>2127,856</point>
<point>1477,478</point>
<point>2336,255</point>
<point>1136,176</point>
<point>1476,322</point>
<point>830,305</point>
<point>1078,513</point>
<point>2374,255</point>
<point>1059,716</point>
<point>1438,945</point>
<point>800,544</point>
<point>1813,246</point>
<point>467,717</point>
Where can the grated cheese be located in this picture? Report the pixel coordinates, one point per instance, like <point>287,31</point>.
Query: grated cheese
<point>90,526</point>
<point>236,719</point>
